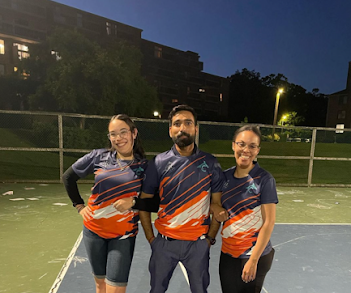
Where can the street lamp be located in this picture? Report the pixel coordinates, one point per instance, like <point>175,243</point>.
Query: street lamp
<point>157,114</point>
<point>280,91</point>
<point>283,119</point>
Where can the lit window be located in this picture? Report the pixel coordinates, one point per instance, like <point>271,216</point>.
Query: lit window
<point>158,52</point>
<point>108,28</point>
<point>22,50</point>
<point>2,47</point>
<point>201,90</point>
<point>15,69</point>
<point>57,56</point>
<point>221,97</point>
<point>25,75</point>
<point>174,100</point>
<point>339,127</point>
<point>2,69</point>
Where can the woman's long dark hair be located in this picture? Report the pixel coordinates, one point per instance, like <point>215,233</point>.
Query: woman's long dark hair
<point>137,147</point>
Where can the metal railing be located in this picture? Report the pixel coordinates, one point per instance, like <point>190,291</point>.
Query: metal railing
<point>26,136</point>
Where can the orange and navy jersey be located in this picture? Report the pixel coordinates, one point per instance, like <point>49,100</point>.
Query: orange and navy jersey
<point>184,185</point>
<point>242,198</point>
<point>111,183</point>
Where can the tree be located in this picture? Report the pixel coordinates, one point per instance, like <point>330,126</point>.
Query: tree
<point>15,91</point>
<point>290,119</point>
<point>253,96</point>
<point>79,76</point>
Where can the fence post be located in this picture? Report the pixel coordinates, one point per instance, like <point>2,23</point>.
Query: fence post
<point>310,167</point>
<point>60,144</point>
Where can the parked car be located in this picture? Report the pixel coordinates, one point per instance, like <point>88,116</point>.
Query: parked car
<point>293,139</point>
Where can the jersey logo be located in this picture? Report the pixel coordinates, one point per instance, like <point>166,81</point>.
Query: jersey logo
<point>225,184</point>
<point>203,166</point>
<point>168,167</point>
<point>138,171</point>
<point>251,187</point>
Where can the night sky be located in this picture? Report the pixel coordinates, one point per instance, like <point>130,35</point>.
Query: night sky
<point>309,41</point>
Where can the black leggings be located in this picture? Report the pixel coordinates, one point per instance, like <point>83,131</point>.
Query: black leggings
<point>230,271</point>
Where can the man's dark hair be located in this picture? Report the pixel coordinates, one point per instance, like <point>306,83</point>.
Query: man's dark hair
<point>181,108</point>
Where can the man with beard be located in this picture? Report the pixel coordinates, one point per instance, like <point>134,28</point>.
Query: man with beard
<point>189,183</point>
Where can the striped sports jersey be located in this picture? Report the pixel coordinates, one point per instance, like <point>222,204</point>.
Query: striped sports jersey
<point>185,185</point>
<point>111,184</point>
<point>242,198</point>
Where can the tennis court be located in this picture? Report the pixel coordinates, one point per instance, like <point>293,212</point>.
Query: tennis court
<point>40,236</point>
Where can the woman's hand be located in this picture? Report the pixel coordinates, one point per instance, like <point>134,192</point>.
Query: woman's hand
<point>86,213</point>
<point>123,204</point>
<point>249,271</point>
<point>219,213</point>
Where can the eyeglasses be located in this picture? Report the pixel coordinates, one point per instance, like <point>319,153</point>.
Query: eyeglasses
<point>121,134</point>
<point>243,145</point>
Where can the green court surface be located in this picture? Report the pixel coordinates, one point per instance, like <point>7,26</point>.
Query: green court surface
<point>38,227</point>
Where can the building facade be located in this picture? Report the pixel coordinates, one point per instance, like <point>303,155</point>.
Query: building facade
<point>339,106</point>
<point>178,75</point>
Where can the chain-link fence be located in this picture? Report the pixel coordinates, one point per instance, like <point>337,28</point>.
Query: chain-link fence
<point>38,147</point>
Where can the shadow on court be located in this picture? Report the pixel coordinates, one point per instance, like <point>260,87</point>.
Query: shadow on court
<point>309,258</point>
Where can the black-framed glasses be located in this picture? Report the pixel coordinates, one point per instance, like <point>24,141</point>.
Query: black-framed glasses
<point>122,134</point>
<point>243,145</point>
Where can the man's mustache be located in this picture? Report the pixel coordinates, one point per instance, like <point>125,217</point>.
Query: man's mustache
<point>183,134</point>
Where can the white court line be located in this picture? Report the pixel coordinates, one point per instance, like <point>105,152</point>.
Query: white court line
<point>66,265</point>
<point>315,224</point>
<point>264,290</point>
<point>297,238</point>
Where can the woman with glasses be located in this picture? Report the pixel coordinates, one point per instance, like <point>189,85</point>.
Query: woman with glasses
<point>250,197</point>
<point>110,217</point>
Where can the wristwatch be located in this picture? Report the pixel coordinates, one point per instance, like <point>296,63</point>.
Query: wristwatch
<point>212,240</point>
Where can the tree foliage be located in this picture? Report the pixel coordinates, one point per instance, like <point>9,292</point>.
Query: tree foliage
<point>79,76</point>
<point>253,96</point>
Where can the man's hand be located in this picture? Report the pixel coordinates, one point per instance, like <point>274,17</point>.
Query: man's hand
<point>219,213</point>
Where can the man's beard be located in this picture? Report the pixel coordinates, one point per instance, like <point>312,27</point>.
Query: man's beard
<point>183,139</point>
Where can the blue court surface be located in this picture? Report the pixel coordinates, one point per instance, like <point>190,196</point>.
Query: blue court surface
<point>309,258</point>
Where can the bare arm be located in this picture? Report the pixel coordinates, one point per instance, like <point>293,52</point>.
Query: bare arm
<point>219,213</point>
<point>214,227</point>
<point>268,216</point>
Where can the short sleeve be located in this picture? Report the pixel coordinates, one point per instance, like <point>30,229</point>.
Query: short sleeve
<point>269,192</point>
<point>217,177</point>
<point>85,165</point>
<point>151,179</point>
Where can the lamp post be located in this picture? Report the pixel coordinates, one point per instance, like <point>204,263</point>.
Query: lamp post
<point>157,114</point>
<point>280,91</point>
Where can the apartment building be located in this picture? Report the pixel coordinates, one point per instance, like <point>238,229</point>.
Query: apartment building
<point>339,106</point>
<point>178,75</point>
